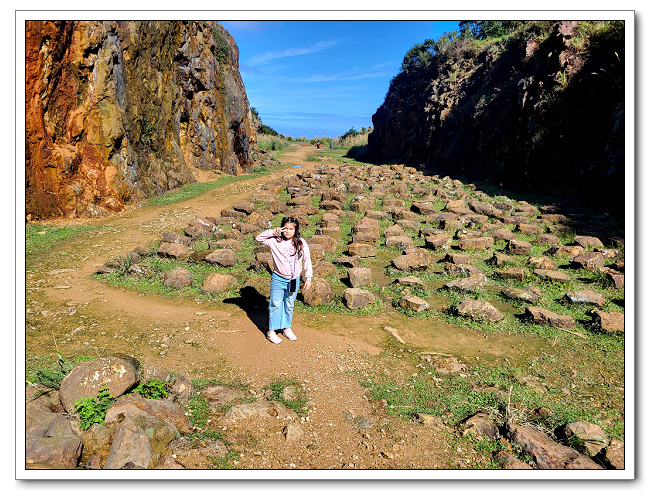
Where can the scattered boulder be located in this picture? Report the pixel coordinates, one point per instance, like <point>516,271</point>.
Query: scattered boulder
<point>518,273</point>
<point>586,297</point>
<point>416,260</point>
<point>518,247</point>
<point>542,262</point>
<point>615,454</point>
<point>178,278</point>
<point>483,243</point>
<point>175,238</point>
<point>566,251</point>
<point>480,424</point>
<point>223,257</point>
<point>550,275</point>
<point>97,441</point>
<point>413,303</point>
<point>160,432</point>
<point>429,420</point>
<point>133,404</point>
<point>333,231</point>
<point>528,294</point>
<point>591,260</point>
<point>412,281</point>
<point>362,250</point>
<point>174,250</point>
<point>355,298</point>
<point>547,453</point>
<point>266,410</point>
<point>438,241</point>
<point>510,462</point>
<point>457,258</point>
<point>461,269</point>
<point>608,321</point>
<point>292,432</point>
<point>587,437</point>
<point>130,445</point>
<point>589,242</point>
<point>322,269</point>
<point>320,293</point>
<point>446,365</point>
<point>500,259</point>
<point>503,234</point>
<point>614,277</point>
<point>478,309</point>
<point>50,442</point>
<point>221,395</point>
<point>327,243</point>
<point>529,229</point>
<point>360,277</point>
<point>465,285</point>
<point>547,239</point>
<point>316,252</point>
<point>401,242</point>
<point>394,230</point>
<point>217,283</point>
<point>545,317</point>
<point>231,243</point>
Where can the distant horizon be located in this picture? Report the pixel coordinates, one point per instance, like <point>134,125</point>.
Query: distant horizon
<point>320,78</point>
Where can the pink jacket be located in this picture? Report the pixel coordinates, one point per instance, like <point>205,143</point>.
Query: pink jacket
<point>283,259</point>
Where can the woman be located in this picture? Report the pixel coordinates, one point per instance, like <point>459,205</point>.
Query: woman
<point>290,254</point>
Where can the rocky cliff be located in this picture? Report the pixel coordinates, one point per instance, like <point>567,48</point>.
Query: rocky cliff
<point>121,111</point>
<point>540,110</point>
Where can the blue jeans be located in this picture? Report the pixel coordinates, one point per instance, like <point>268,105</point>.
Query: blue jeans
<point>281,302</point>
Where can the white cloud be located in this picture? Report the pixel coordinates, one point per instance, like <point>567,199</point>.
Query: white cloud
<point>296,51</point>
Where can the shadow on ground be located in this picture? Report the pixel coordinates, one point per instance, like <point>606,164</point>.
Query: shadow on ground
<point>255,305</point>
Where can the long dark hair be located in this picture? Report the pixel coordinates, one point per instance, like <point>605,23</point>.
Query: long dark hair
<point>296,240</point>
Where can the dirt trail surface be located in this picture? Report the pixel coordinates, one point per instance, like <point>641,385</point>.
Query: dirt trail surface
<point>69,311</point>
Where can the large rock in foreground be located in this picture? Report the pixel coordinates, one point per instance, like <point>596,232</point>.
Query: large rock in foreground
<point>89,377</point>
<point>50,442</point>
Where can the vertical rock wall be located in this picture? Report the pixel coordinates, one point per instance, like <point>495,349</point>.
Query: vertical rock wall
<point>534,111</point>
<point>121,111</point>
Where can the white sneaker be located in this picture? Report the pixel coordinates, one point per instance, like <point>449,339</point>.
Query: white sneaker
<point>287,332</point>
<point>272,336</point>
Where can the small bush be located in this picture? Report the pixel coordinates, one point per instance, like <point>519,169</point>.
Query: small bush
<point>153,389</point>
<point>93,410</point>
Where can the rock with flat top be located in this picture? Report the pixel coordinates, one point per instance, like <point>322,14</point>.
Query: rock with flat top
<point>608,321</point>
<point>469,284</point>
<point>479,309</point>
<point>355,298</point>
<point>545,317</point>
<point>586,297</point>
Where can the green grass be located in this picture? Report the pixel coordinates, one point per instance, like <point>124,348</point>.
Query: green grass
<point>198,410</point>
<point>336,155</point>
<point>268,142</point>
<point>192,190</point>
<point>454,399</point>
<point>49,371</point>
<point>296,402</point>
<point>43,239</point>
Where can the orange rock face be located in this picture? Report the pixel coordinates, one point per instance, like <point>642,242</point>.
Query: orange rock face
<point>121,111</point>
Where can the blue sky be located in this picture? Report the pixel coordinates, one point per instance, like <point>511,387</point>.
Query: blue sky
<point>319,78</point>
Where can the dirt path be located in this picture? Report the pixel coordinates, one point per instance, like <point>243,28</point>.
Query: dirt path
<point>67,310</point>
